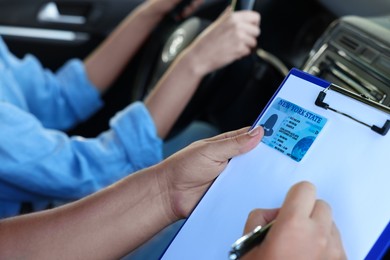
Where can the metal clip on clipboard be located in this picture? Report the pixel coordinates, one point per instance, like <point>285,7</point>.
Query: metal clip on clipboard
<point>362,98</point>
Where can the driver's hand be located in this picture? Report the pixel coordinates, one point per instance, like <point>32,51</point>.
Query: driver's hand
<point>232,36</point>
<point>188,173</point>
<point>162,7</point>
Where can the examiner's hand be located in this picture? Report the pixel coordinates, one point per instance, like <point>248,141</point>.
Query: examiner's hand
<point>232,36</point>
<point>189,173</point>
<point>304,229</point>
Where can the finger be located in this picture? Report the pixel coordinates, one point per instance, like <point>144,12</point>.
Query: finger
<point>250,42</point>
<point>299,201</point>
<point>229,134</point>
<point>242,50</point>
<point>249,16</point>
<point>251,30</point>
<point>336,249</point>
<point>322,213</point>
<point>247,42</point>
<point>259,217</point>
<point>224,149</point>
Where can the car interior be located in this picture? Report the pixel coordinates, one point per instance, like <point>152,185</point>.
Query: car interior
<point>345,42</point>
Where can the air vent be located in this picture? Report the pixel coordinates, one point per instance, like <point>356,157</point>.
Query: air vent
<point>348,43</point>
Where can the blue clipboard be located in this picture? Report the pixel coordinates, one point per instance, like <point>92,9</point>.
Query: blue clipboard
<point>343,154</point>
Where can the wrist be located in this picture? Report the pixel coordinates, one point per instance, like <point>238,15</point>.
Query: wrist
<point>192,59</point>
<point>165,191</point>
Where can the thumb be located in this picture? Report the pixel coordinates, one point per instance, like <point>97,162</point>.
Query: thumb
<point>222,149</point>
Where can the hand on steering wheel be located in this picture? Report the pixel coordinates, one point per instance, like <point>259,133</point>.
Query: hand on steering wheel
<point>232,36</point>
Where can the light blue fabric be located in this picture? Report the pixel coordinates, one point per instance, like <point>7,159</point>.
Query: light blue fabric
<point>39,163</point>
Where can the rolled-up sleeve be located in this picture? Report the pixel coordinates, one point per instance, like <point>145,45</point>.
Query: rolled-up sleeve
<point>80,93</point>
<point>136,118</point>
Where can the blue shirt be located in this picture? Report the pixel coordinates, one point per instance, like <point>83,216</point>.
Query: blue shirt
<point>38,162</point>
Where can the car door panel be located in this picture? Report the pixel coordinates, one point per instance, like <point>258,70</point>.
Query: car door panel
<point>74,27</point>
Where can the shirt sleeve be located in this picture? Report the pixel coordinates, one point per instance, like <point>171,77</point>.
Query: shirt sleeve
<point>59,100</point>
<point>38,163</point>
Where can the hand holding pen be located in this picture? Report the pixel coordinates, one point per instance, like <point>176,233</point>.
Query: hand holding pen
<point>302,228</point>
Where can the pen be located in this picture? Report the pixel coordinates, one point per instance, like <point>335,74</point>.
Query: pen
<point>249,241</point>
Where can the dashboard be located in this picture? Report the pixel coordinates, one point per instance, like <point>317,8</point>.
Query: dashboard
<point>354,53</point>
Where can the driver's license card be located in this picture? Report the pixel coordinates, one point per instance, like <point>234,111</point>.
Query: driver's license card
<point>290,129</point>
